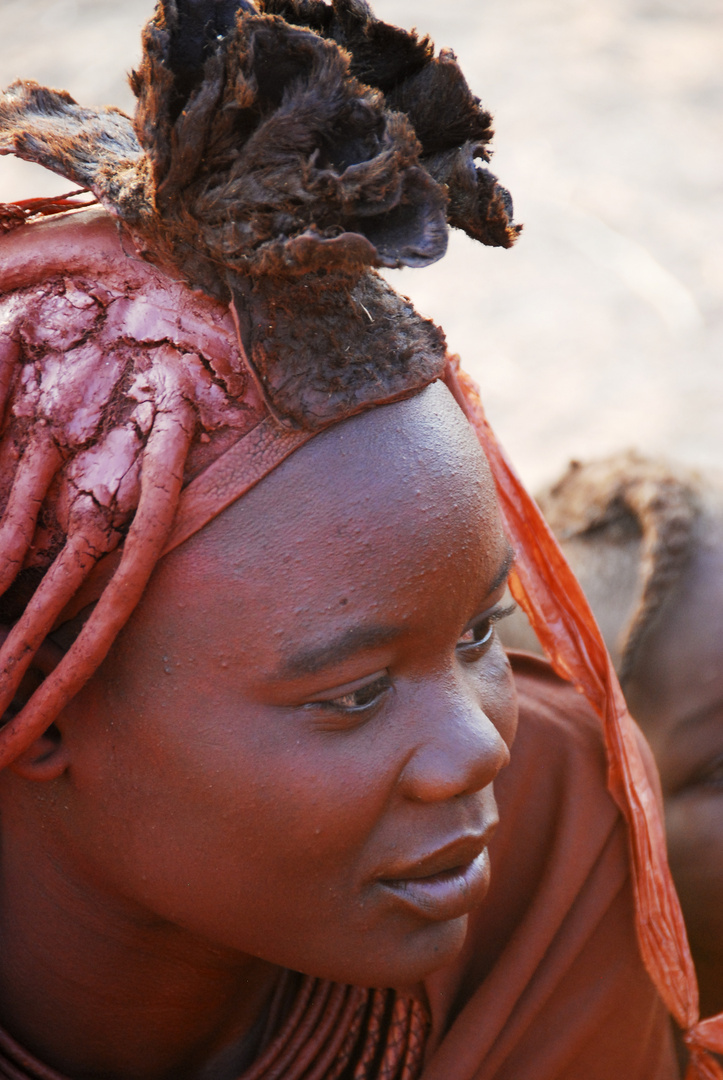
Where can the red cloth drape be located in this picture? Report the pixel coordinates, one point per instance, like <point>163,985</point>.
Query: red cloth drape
<point>546,589</point>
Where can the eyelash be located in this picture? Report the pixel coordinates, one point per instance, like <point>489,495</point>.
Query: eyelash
<point>484,627</point>
<point>357,703</point>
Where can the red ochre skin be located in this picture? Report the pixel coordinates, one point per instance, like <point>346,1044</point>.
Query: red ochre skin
<point>676,695</point>
<point>286,759</point>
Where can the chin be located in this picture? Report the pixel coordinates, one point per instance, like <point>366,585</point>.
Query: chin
<point>402,965</point>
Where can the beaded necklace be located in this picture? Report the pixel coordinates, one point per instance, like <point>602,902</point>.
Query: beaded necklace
<point>332,1032</point>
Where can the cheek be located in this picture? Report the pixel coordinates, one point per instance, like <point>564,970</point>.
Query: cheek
<point>261,842</point>
<point>694,825</point>
<point>209,812</point>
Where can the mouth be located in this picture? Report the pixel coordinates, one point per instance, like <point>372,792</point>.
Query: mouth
<point>446,884</point>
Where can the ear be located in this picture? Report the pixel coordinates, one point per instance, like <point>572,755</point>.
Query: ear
<point>47,757</point>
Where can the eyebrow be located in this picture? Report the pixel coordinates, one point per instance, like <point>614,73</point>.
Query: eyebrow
<point>504,570</point>
<point>356,638</point>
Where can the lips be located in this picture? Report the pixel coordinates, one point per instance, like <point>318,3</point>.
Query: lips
<point>445,884</point>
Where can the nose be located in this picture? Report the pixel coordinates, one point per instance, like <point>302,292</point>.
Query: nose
<point>457,749</point>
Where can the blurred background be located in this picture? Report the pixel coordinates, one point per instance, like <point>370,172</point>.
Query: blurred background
<point>603,328</point>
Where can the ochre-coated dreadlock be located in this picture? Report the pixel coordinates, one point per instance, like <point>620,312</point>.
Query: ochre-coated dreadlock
<point>279,152</point>
<point>108,387</point>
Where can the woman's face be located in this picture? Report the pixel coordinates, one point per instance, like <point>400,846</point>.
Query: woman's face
<point>677,697</point>
<point>290,751</point>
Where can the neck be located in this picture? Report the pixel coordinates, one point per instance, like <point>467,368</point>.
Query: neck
<point>94,988</point>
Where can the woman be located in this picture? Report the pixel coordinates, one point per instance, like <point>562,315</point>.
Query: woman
<point>645,539</point>
<point>254,737</point>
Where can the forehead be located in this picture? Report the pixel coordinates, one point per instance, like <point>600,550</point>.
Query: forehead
<point>396,499</point>
<point>406,468</point>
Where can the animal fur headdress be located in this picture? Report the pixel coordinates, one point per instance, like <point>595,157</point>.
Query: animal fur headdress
<point>279,150</point>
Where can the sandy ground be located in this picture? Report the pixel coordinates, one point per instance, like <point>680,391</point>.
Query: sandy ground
<point>604,326</point>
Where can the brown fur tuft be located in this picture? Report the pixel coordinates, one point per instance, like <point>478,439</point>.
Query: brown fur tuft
<point>287,147</point>
<point>94,148</point>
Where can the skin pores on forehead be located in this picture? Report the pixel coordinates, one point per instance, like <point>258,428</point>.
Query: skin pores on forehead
<point>676,695</point>
<point>302,718</point>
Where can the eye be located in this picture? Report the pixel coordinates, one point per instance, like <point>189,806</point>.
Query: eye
<point>357,701</point>
<point>477,637</point>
